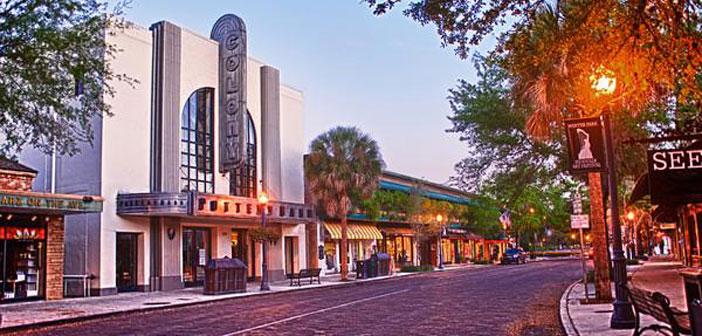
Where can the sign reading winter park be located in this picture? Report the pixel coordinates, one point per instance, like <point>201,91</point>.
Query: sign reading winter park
<point>585,145</point>
<point>675,176</point>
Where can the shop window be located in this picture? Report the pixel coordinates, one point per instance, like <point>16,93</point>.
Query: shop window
<point>197,142</point>
<point>243,180</point>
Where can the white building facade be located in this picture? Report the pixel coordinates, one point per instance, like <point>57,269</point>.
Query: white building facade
<point>181,163</point>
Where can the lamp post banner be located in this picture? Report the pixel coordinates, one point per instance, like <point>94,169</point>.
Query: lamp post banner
<point>585,145</point>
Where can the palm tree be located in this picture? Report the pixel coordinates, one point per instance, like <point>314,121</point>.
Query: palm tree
<point>542,88</point>
<point>343,167</point>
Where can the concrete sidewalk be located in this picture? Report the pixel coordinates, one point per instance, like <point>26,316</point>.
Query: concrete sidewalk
<point>36,313</point>
<point>658,274</point>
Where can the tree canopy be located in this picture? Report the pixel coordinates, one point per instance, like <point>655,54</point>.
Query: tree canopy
<point>54,72</point>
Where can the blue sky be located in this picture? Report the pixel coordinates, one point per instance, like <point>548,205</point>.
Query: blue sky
<point>387,75</point>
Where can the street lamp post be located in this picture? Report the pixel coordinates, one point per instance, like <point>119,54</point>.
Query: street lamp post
<point>440,218</point>
<point>623,314</point>
<point>263,201</point>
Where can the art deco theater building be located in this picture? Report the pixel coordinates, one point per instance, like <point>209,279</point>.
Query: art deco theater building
<point>181,163</point>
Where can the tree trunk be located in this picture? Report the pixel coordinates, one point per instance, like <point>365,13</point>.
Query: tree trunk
<point>603,287</point>
<point>344,249</point>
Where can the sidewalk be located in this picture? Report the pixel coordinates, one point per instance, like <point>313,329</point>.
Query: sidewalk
<point>37,313</point>
<point>658,274</point>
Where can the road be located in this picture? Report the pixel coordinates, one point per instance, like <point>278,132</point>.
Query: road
<point>499,300</point>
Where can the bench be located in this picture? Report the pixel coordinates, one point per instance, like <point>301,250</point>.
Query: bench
<point>304,274</point>
<point>657,306</point>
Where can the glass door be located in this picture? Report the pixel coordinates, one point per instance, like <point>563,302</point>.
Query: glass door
<point>196,254</point>
<point>126,262</point>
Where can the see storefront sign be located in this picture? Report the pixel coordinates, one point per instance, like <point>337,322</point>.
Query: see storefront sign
<point>51,203</point>
<point>675,176</point>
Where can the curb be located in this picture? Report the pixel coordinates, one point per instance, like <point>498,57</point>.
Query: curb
<point>564,312</point>
<point>61,321</point>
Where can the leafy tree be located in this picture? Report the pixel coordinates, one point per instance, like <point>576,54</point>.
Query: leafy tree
<point>344,165</point>
<point>55,72</point>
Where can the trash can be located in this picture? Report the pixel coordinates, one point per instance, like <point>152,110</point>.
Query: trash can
<point>695,311</point>
<point>360,269</point>
<point>373,266</point>
<point>224,276</point>
<point>383,264</point>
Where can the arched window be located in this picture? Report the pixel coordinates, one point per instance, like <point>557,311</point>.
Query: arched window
<point>243,180</point>
<point>197,142</point>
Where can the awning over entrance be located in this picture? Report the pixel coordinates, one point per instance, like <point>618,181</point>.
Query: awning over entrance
<point>354,231</point>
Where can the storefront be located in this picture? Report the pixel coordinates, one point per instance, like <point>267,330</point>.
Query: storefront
<point>361,244</point>
<point>398,241</point>
<point>32,234</point>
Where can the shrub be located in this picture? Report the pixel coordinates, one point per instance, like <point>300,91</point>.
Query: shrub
<point>416,269</point>
<point>482,262</point>
<point>632,262</point>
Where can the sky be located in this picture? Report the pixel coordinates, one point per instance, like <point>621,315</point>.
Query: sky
<point>387,75</point>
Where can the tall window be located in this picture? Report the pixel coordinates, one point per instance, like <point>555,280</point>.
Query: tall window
<point>197,142</point>
<point>243,180</point>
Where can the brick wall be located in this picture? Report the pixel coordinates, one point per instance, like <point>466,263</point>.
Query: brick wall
<point>54,259</point>
<point>21,182</point>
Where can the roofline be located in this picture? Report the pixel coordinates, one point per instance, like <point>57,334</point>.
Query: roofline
<point>426,182</point>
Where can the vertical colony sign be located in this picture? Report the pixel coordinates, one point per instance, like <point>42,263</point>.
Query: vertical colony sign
<point>675,176</point>
<point>230,32</point>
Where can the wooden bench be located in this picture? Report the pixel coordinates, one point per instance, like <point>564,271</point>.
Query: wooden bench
<point>657,306</point>
<point>304,274</point>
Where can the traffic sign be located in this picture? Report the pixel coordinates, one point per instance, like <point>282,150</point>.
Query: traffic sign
<point>579,221</point>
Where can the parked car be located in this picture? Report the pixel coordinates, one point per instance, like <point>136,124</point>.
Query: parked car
<point>514,256</point>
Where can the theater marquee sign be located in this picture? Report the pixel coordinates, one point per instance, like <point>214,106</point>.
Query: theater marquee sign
<point>230,32</point>
<point>675,176</point>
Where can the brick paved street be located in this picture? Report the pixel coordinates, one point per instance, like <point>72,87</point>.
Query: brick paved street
<point>501,300</point>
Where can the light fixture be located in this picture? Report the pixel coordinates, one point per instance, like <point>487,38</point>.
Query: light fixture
<point>9,216</point>
<point>630,215</point>
<point>34,218</point>
<point>439,218</point>
<point>263,198</point>
<point>606,83</point>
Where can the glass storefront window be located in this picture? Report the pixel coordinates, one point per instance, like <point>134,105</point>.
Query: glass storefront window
<point>23,254</point>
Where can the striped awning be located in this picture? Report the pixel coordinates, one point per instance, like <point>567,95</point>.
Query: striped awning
<point>354,231</point>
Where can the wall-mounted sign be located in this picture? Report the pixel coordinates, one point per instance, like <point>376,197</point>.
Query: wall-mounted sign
<point>22,233</point>
<point>585,145</point>
<point>230,32</point>
<point>579,221</point>
<point>48,202</point>
<point>675,176</point>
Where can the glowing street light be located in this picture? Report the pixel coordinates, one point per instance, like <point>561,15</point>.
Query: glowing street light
<point>630,216</point>
<point>606,83</point>
<point>440,218</point>
<point>263,201</point>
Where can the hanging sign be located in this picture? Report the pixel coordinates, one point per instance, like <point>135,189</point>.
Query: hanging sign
<point>22,233</point>
<point>585,145</point>
<point>675,176</point>
<point>579,221</point>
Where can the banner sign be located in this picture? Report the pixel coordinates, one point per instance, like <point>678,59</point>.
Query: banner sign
<point>21,233</point>
<point>585,145</point>
<point>579,221</point>
<point>675,176</point>
<point>37,202</point>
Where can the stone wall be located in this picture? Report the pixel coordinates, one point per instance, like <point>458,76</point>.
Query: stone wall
<point>54,258</point>
<point>21,182</point>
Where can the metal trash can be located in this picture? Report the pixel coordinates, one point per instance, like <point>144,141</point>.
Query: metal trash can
<point>224,276</point>
<point>383,264</point>
<point>695,311</point>
<point>361,269</point>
